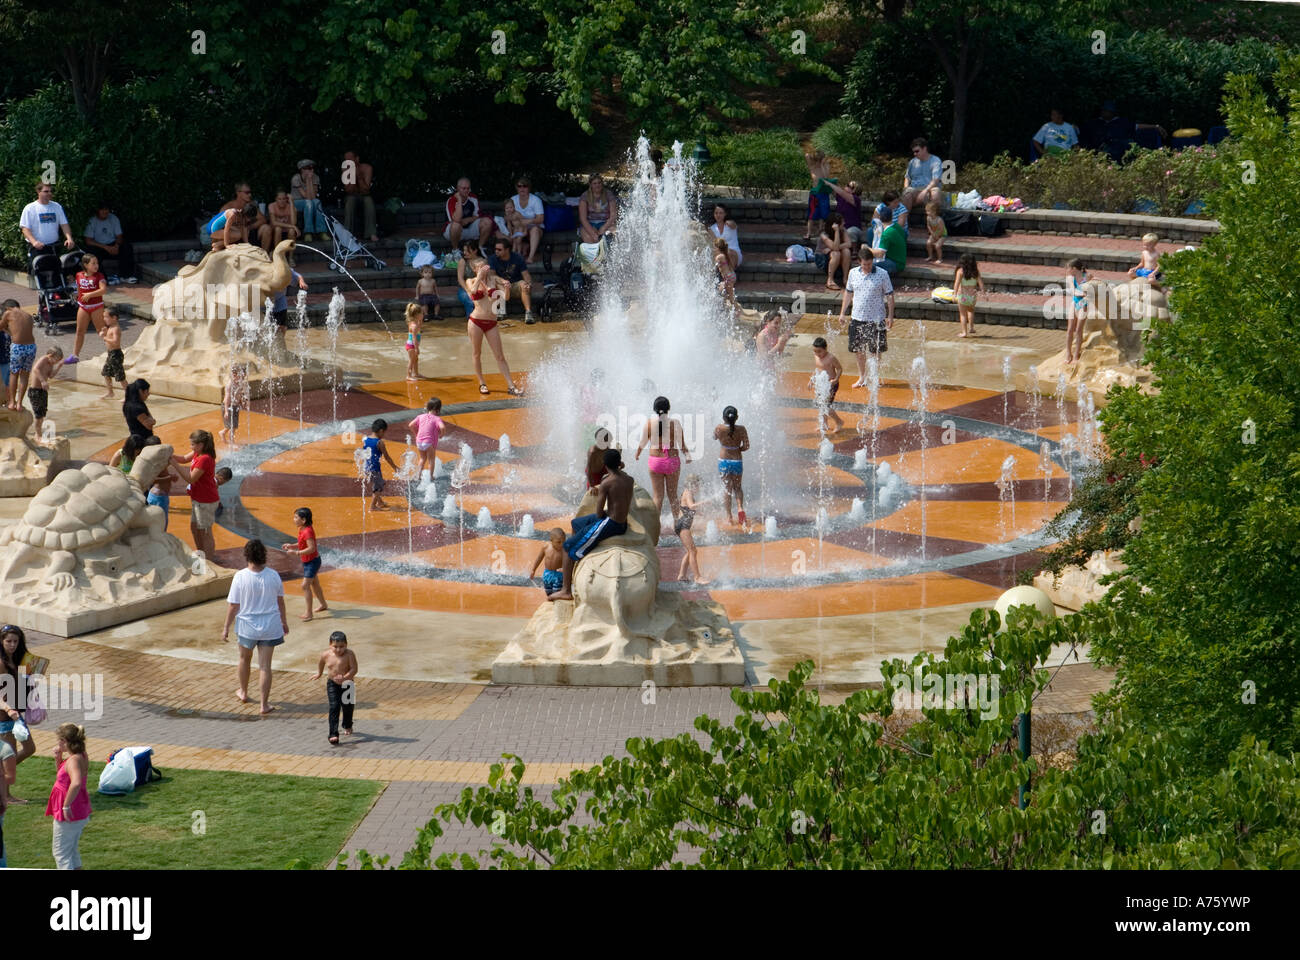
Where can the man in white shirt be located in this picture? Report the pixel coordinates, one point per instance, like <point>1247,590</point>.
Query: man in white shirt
<point>872,293</point>
<point>42,221</point>
<point>924,173</point>
<point>1056,136</point>
<point>103,237</point>
<point>524,217</point>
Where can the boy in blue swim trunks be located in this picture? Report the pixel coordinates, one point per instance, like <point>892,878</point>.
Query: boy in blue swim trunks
<point>551,559</point>
<point>613,501</point>
<point>22,352</point>
<point>374,477</point>
<point>1149,264</point>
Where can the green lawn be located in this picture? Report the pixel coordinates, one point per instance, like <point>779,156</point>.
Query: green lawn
<point>251,821</point>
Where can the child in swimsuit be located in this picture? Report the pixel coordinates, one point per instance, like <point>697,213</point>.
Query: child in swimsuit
<point>114,368</point>
<point>1077,309</point>
<point>374,446</point>
<point>1149,264</point>
<point>551,558</point>
<point>682,527</point>
<point>234,397</point>
<point>734,440</point>
<point>427,429</point>
<point>938,230</point>
<point>968,285</point>
<point>414,317</point>
<point>826,362</point>
<point>91,286</point>
<point>426,293</point>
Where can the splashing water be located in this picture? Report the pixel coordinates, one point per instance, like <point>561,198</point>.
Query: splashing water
<point>1007,494</point>
<point>526,528</point>
<point>661,329</point>
<point>1006,385</point>
<point>484,522</point>
<point>333,327</point>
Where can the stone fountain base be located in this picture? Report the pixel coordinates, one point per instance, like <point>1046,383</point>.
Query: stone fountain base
<point>620,629</point>
<point>1077,586</point>
<point>26,466</point>
<point>693,645</point>
<point>180,360</point>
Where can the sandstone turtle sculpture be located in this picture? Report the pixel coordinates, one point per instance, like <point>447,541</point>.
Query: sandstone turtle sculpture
<point>83,510</point>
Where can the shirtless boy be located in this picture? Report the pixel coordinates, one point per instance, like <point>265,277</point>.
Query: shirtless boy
<point>551,559</point>
<point>613,501</point>
<point>342,666</point>
<point>823,359</point>
<point>43,370</point>
<point>22,354</point>
<point>114,368</point>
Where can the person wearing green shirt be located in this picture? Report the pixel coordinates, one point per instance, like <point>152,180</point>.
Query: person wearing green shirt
<point>891,255</point>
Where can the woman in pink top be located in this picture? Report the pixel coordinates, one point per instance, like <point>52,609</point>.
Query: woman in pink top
<point>427,428</point>
<point>69,799</point>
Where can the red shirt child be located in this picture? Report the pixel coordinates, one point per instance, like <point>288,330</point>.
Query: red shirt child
<point>205,489</point>
<point>304,534</point>
<point>89,294</point>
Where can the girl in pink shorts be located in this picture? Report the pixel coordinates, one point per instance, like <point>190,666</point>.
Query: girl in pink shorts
<point>664,436</point>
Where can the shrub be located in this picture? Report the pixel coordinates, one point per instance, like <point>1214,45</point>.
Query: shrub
<point>842,138</point>
<point>759,164</point>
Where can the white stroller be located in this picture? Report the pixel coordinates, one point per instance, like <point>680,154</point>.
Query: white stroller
<point>347,247</point>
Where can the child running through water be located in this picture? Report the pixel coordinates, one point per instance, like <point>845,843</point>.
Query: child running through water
<point>682,527</point>
<point>427,430</point>
<point>374,477</point>
<point>771,338</point>
<point>734,440</point>
<point>426,293</point>
<point>1077,310</point>
<point>341,687</point>
<point>968,285</point>
<point>937,231</point>
<point>551,559</point>
<point>414,319</point>
<point>1149,260</point>
<point>234,397</point>
<point>44,370</point>
<point>827,362</point>
<point>306,551</point>
<point>114,368</point>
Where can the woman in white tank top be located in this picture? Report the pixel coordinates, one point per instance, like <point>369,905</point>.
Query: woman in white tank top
<point>723,226</point>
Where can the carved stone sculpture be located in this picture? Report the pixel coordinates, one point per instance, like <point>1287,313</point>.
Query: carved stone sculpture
<point>621,629</point>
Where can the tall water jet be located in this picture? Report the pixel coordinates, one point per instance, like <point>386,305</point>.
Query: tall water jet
<point>484,522</point>
<point>333,327</point>
<point>1007,494</point>
<point>503,446</point>
<point>920,380</point>
<point>1006,385</point>
<point>526,526</point>
<point>300,342</point>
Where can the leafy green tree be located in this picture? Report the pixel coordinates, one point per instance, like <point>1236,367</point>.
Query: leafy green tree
<point>792,783</point>
<point>1211,604</point>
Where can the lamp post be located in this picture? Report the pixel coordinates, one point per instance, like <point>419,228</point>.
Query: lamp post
<point>701,153</point>
<point>1015,597</point>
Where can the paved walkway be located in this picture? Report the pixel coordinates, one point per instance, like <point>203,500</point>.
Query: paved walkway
<point>427,741</point>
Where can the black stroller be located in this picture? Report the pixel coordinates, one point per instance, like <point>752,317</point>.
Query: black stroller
<point>577,281</point>
<point>55,288</point>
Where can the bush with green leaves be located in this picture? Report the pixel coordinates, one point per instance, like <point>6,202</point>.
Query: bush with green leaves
<point>761,164</point>
<point>1211,578</point>
<point>792,783</point>
<point>841,137</point>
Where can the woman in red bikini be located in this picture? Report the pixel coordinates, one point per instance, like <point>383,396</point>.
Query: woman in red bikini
<point>483,323</point>
<point>665,437</point>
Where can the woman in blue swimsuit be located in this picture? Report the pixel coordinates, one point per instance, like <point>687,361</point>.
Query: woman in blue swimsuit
<point>735,441</point>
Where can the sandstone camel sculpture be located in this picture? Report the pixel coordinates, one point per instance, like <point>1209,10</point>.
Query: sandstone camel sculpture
<point>1113,337</point>
<point>89,544</point>
<point>621,629</point>
<point>212,314</point>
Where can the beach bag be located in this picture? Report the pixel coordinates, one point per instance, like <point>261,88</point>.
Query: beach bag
<point>943,295</point>
<point>960,223</point>
<point>118,776</point>
<point>558,217</point>
<point>991,226</point>
<point>798,253</point>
